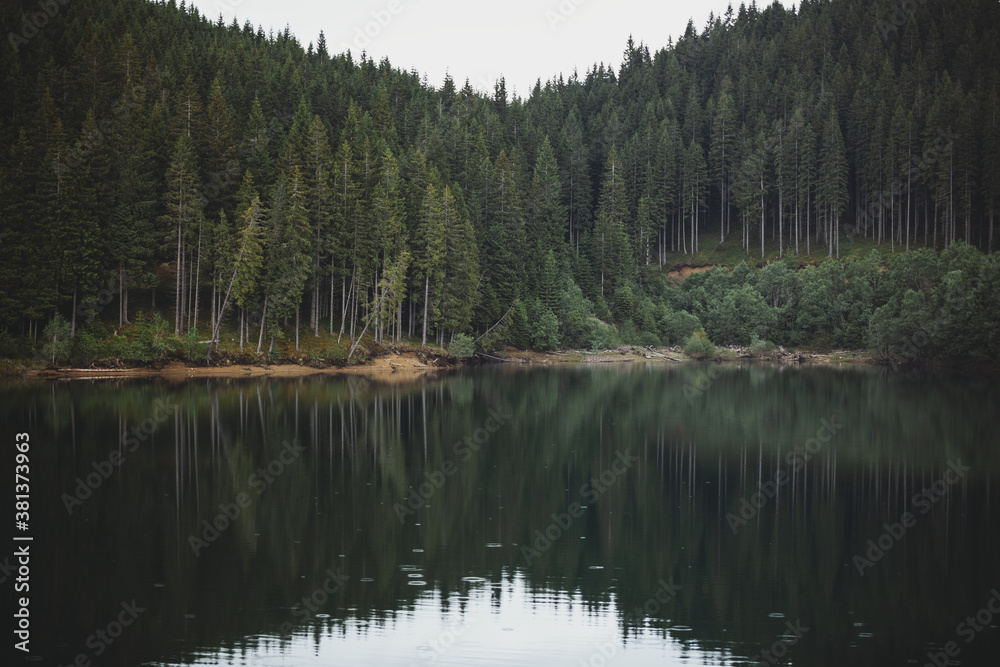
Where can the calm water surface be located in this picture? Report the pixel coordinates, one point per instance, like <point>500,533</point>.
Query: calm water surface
<point>510,516</point>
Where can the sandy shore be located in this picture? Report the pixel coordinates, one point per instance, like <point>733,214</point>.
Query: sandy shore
<point>408,364</point>
<point>405,363</point>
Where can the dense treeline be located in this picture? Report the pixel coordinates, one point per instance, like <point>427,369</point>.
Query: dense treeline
<point>235,176</point>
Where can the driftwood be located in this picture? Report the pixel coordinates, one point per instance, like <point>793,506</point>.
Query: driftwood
<point>506,361</point>
<point>660,354</point>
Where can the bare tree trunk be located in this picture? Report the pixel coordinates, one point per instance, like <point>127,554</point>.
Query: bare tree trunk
<point>263,319</point>
<point>331,302</point>
<point>197,280</point>
<point>762,217</point>
<point>427,291</point>
<point>180,272</point>
<point>781,228</point>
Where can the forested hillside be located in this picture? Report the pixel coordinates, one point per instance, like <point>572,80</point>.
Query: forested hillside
<point>155,160</point>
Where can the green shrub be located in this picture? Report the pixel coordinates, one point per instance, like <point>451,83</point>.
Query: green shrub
<point>545,335</point>
<point>649,339</point>
<point>760,347</point>
<point>677,326</point>
<point>698,346</point>
<point>462,346</point>
<point>602,336</point>
<point>628,333</point>
<point>57,338</point>
<point>151,339</point>
<point>624,303</point>
<point>518,335</point>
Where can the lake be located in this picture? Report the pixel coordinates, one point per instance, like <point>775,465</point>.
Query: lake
<point>626,514</point>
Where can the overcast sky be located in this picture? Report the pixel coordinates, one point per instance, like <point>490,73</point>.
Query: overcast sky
<point>523,40</point>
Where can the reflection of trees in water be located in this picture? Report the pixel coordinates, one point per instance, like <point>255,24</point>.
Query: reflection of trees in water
<point>369,442</point>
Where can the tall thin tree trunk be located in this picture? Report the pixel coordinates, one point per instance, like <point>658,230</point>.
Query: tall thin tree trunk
<point>180,271</point>
<point>762,217</point>
<point>121,299</point>
<point>427,292</point>
<point>197,280</point>
<point>263,319</point>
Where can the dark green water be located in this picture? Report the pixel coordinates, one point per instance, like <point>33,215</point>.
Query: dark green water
<point>506,516</point>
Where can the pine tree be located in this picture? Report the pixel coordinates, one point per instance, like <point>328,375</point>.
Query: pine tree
<point>135,198</point>
<point>320,205</point>
<point>222,168</point>
<point>183,206</point>
<point>188,115</point>
<point>502,241</point>
<point>290,245</point>
<point>431,246</point>
<point>575,177</point>
<point>345,207</point>
<point>609,247</point>
<point>461,266</point>
<point>694,176</point>
<point>255,148</point>
<point>665,181</point>
<point>832,196</point>
<point>547,216</point>
<point>721,150</point>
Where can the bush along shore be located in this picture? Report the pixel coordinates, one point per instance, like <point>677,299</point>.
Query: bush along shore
<point>919,307</point>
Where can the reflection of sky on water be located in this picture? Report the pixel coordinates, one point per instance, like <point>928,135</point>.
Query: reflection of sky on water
<point>492,623</point>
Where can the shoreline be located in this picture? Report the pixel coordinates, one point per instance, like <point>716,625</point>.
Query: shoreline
<point>409,364</point>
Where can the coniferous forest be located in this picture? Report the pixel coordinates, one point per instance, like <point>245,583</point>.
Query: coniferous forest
<point>166,178</point>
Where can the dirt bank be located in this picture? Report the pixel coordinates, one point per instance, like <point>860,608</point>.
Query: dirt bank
<point>407,363</point>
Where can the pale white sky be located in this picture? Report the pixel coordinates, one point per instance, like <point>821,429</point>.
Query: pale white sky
<point>519,39</point>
